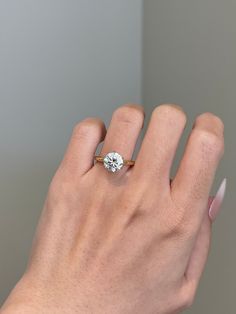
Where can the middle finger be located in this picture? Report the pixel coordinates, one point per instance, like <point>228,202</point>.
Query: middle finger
<point>160,142</point>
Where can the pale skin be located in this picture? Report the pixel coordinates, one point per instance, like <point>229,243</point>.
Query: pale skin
<point>131,242</point>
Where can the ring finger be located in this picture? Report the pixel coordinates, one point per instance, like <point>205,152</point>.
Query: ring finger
<point>123,132</point>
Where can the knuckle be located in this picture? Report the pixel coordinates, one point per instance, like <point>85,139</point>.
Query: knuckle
<point>62,189</point>
<point>129,114</point>
<point>176,226</point>
<point>177,223</point>
<point>87,126</point>
<point>171,110</point>
<point>133,206</point>
<point>186,297</point>
<point>211,142</point>
<point>213,120</point>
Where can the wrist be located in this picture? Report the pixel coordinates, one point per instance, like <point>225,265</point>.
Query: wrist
<point>13,308</point>
<point>22,299</point>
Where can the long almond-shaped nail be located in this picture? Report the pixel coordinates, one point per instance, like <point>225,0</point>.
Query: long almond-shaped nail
<point>217,201</point>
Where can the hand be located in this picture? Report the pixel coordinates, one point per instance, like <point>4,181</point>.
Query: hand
<point>128,242</point>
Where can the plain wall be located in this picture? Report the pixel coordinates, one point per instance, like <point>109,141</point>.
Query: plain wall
<point>60,61</point>
<point>189,58</point>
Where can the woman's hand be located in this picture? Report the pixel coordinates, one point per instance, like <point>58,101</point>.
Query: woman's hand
<point>128,242</point>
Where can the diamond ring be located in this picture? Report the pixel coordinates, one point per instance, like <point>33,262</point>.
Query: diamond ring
<point>113,161</point>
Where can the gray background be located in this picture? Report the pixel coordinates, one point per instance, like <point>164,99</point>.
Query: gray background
<point>61,61</point>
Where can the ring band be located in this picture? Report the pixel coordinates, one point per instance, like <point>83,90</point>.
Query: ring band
<point>113,161</point>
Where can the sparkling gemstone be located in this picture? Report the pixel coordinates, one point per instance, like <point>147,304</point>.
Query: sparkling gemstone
<point>113,161</point>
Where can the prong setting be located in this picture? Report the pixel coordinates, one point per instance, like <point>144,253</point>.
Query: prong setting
<point>113,162</point>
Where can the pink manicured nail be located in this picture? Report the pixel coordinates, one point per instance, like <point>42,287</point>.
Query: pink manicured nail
<point>217,201</point>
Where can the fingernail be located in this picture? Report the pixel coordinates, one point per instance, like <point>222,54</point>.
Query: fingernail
<point>217,201</point>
